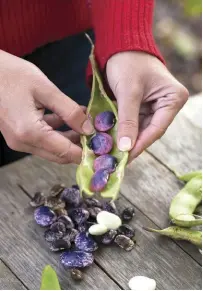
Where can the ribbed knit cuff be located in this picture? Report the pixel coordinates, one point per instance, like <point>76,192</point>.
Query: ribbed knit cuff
<point>123,25</point>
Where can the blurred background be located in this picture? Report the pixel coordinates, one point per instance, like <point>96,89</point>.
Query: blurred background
<point>178,33</point>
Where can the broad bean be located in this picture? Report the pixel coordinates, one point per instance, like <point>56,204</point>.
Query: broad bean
<point>100,102</point>
<point>180,233</point>
<point>185,202</point>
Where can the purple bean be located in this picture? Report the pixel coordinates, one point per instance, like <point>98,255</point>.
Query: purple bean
<point>101,143</point>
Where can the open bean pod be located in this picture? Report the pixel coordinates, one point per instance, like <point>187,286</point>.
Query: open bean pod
<point>188,176</point>
<point>185,202</point>
<point>100,102</point>
<point>179,233</point>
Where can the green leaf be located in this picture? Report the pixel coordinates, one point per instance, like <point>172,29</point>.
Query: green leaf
<point>193,7</point>
<point>100,102</point>
<point>49,279</point>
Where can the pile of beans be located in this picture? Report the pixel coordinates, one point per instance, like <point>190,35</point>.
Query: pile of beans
<point>79,226</point>
<point>101,144</point>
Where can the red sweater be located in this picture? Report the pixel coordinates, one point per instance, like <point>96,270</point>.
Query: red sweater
<point>119,25</point>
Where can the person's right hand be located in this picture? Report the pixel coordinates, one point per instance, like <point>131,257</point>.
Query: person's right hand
<point>25,92</point>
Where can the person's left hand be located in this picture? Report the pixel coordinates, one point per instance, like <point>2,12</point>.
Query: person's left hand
<point>148,98</point>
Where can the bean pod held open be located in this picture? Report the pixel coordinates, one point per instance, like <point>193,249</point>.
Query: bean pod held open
<point>104,114</point>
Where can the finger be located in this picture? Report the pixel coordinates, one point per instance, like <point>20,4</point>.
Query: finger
<point>128,121</point>
<point>72,136</point>
<point>42,136</point>
<point>156,128</point>
<point>42,154</point>
<point>53,120</point>
<point>58,145</point>
<point>67,109</point>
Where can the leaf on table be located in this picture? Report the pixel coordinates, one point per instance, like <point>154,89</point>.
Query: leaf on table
<point>49,279</point>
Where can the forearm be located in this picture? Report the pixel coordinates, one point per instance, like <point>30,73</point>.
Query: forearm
<point>123,25</point>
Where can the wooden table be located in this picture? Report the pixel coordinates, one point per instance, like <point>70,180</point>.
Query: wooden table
<point>149,185</point>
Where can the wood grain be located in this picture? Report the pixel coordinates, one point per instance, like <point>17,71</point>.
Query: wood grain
<point>8,281</point>
<point>150,187</point>
<point>147,184</point>
<point>181,146</point>
<point>156,257</point>
<point>23,248</point>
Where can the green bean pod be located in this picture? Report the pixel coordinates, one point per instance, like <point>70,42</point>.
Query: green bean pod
<point>198,210</point>
<point>188,176</point>
<point>98,103</point>
<point>179,233</point>
<point>185,202</point>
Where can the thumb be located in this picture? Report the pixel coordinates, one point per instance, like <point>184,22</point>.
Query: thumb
<point>128,121</point>
<point>68,110</point>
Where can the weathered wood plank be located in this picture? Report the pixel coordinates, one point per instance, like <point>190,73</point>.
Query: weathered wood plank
<point>147,184</point>
<point>181,146</point>
<point>156,257</point>
<point>150,186</point>
<point>8,281</point>
<point>23,248</point>
<point>193,110</point>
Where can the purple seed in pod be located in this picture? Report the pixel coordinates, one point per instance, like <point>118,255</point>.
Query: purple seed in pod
<point>71,196</point>
<point>104,121</point>
<point>99,180</point>
<point>101,143</point>
<point>105,162</point>
<point>85,242</point>
<point>44,216</point>
<point>76,259</point>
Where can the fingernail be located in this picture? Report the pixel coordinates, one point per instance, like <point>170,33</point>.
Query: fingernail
<point>124,144</point>
<point>88,127</point>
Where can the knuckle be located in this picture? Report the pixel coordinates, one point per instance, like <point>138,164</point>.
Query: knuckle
<point>128,87</point>
<point>22,133</point>
<point>182,95</point>
<point>65,156</point>
<point>62,161</point>
<point>74,111</point>
<point>128,125</point>
<point>13,144</point>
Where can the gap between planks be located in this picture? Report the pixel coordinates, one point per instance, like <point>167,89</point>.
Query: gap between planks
<point>97,263</point>
<point>13,273</point>
<point>144,214</point>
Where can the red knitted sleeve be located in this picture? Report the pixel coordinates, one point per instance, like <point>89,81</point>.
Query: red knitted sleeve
<point>123,25</point>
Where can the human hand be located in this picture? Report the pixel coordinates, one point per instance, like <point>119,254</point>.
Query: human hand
<point>148,98</point>
<point>25,92</point>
